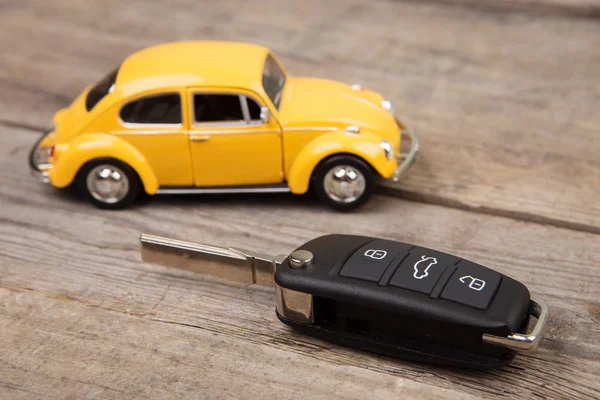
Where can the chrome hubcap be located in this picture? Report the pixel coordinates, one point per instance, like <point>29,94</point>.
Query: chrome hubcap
<point>107,183</point>
<point>344,183</point>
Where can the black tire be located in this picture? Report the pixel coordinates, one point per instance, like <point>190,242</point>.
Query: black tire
<point>358,165</point>
<point>127,195</point>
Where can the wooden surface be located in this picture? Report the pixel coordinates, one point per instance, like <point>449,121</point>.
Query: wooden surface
<point>504,95</point>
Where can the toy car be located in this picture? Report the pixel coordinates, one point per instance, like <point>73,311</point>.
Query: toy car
<point>221,117</point>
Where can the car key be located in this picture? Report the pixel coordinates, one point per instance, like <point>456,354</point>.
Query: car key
<point>388,297</point>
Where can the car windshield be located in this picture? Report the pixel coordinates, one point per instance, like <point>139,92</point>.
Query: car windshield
<point>101,89</point>
<point>273,80</point>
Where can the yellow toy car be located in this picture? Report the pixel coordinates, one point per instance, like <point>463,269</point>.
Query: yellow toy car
<point>221,117</point>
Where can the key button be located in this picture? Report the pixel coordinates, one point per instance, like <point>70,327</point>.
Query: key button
<point>421,270</point>
<point>472,284</point>
<point>371,260</point>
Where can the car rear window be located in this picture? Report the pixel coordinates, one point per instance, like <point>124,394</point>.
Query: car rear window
<point>101,89</point>
<point>155,109</point>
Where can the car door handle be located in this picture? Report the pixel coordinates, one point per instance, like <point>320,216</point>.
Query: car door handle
<point>200,138</point>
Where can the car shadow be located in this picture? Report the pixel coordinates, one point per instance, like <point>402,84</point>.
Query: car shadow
<point>308,201</point>
<point>258,200</point>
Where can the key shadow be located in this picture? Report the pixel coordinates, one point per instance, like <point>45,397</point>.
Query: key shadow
<point>406,366</point>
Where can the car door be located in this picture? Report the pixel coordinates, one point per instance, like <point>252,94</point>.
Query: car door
<point>230,144</point>
<point>154,125</point>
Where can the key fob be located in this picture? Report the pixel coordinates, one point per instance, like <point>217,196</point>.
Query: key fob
<point>407,301</point>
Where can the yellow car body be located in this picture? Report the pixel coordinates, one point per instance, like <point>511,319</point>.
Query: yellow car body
<point>304,123</point>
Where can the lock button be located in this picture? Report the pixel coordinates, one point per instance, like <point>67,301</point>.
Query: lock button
<point>370,261</point>
<point>472,284</point>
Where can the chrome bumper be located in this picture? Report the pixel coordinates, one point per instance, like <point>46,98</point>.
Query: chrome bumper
<point>406,159</point>
<point>39,163</point>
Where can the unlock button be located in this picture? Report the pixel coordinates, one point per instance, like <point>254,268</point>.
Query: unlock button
<point>472,284</point>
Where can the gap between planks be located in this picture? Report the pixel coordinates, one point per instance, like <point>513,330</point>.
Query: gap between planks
<point>589,9</point>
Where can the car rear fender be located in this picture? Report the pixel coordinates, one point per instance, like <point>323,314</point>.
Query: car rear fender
<point>88,147</point>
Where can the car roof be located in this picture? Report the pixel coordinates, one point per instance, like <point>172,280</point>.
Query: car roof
<point>193,63</point>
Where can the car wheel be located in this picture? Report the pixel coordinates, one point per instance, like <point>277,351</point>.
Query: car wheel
<point>108,183</point>
<point>343,182</point>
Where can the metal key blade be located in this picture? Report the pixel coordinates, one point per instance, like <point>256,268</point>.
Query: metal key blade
<point>220,262</point>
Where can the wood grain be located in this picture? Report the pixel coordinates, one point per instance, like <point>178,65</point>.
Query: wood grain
<point>82,316</point>
<point>505,102</point>
<point>94,353</point>
<point>504,94</point>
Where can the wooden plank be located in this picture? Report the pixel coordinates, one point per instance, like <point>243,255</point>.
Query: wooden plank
<point>86,352</point>
<point>80,313</point>
<point>505,103</point>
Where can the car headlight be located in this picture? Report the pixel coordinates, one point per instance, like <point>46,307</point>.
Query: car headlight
<point>386,105</point>
<point>388,149</point>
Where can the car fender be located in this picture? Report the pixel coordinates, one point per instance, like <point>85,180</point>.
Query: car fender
<point>364,145</point>
<point>88,147</point>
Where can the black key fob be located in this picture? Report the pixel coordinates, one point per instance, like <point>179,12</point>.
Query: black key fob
<point>406,301</point>
<point>380,295</point>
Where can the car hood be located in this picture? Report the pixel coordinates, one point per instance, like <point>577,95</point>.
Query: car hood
<point>311,102</point>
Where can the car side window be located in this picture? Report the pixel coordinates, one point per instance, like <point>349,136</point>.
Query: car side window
<point>155,109</point>
<point>253,109</point>
<point>217,108</point>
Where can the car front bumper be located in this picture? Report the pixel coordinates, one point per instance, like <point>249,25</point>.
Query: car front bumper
<point>39,160</point>
<point>406,159</point>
